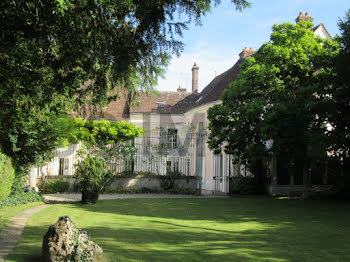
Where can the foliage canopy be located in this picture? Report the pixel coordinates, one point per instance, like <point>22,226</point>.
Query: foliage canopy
<point>103,133</point>
<point>59,55</point>
<point>340,115</point>
<point>105,143</point>
<point>283,93</point>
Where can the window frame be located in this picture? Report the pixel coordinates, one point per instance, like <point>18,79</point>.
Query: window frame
<point>172,137</point>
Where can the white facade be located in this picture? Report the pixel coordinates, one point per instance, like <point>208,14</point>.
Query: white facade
<point>322,32</point>
<point>190,153</point>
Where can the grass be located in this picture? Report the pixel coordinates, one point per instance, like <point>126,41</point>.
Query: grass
<point>7,212</point>
<point>234,229</point>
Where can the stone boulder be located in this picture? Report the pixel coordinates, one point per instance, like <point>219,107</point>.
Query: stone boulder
<point>63,242</point>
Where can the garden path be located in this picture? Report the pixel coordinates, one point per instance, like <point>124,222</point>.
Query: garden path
<point>57,198</point>
<point>11,235</point>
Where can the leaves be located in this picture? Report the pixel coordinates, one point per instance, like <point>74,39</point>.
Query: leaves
<point>103,133</point>
<point>339,106</point>
<point>279,94</point>
<point>60,55</point>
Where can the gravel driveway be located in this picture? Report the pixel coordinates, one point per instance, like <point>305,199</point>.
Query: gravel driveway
<point>77,197</point>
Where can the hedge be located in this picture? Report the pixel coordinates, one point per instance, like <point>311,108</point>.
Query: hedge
<point>54,186</point>
<point>7,176</point>
<point>21,198</point>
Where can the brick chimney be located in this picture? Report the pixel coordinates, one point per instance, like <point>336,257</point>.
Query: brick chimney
<point>180,89</point>
<point>302,17</point>
<point>195,78</point>
<point>308,17</point>
<point>246,52</point>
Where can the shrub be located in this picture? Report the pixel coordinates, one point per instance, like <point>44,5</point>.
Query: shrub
<point>168,182</point>
<point>183,191</point>
<point>7,176</point>
<point>20,182</point>
<point>21,198</point>
<point>136,173</point>
<point>54,186</point>
<point>142,190</point>
<point>146,190</point>
<point>91,178</point>
<point>246,185</point>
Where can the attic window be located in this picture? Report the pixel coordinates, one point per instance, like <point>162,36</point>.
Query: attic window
<point>199,99</point>
<point>160,104</point>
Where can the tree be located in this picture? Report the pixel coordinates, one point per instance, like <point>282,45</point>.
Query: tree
<point>91,176</point>
<point>60,55</point>
<point>339,116</point>
<point>105,143</point>
<point>104,138</point>
<point>281,93</point>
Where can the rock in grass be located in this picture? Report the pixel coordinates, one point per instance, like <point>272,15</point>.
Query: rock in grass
<point>63,242</point>
<point>58,242</point>
<point>85,249</point>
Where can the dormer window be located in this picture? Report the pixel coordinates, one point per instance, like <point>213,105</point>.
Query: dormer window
<point>199,99</point>
<point>161,104</point>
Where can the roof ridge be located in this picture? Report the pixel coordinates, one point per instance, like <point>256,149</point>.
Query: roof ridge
<point>218,78</point>
<point>171,92</point>
<point>324,27</point>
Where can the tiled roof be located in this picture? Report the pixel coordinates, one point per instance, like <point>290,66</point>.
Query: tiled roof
<point>177,102</point>
<point>144,103</point>
<point>211,92</point>
<point>150,102</point>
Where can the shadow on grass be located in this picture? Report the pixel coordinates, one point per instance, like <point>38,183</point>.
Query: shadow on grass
<point>205,230</point>
<point>160,245</point>
<point>187,244</point>
<point>261,209</point>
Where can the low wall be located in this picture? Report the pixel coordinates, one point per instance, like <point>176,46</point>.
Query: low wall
<point>297,190</point>
<point>153,182</point>
<point>137,182</point>
<point>285,190</point>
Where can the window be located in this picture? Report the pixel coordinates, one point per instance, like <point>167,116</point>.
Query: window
<point>218,166</point>
<point>172,138</point>
<point>188,166</point>
<point>63,167</point>
<point>168,166</point>
<point>128,165</point>
<point>199,99</point>
<point>176,166</point>
<point>172,166</point>
<point>160,104</point>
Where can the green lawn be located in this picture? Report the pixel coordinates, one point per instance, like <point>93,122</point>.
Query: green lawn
<point>234,229</point>
<point>7,212</point>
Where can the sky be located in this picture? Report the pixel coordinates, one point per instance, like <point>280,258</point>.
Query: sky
<point>224,32</point>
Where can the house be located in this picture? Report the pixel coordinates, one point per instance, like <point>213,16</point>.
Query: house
<point>176,120</point>
<point>176,128</point>
<point>319,30</point>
